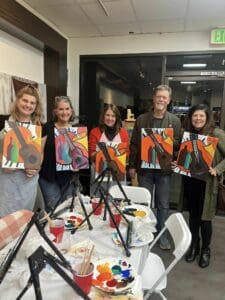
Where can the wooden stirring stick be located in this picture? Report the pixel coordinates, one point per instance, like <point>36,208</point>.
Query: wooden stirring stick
<point>88,260</point>
<point>48,219</point>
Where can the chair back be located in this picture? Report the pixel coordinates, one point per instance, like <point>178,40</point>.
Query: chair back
<point>180,234</point>
<point>138,195</point>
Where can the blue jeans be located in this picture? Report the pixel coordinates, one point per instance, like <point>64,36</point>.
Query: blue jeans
<point>161,182</point>
<point>54,192</point>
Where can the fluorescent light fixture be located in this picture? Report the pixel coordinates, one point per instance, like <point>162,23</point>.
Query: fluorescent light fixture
<point>194,65</point>
<point>188,82</point>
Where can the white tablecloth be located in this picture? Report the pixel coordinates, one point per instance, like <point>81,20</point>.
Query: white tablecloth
<point>52,286</point>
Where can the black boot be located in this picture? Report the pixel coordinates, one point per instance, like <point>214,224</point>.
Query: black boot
<point>193,251</point>
<point>204,257</point>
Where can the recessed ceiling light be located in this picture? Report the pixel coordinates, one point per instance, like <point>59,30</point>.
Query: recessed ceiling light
<point>194,65</point>
<point>188,82</point>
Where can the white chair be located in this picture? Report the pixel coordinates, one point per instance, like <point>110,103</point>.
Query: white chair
<point>154,275</point>
<point>137,195</point>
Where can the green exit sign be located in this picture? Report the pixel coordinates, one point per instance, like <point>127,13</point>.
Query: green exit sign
<point>218,36</point>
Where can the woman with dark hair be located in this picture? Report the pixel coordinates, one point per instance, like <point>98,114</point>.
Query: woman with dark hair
<point>109,130</point>
<point>201,195</point>
<point>54,183</point>
<point>19,187</point>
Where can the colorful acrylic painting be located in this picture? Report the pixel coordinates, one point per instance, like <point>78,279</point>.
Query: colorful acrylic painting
<point>195,155</point>
<point>117,156</point>
<point>71,148</point>
<point>113,275</point>
<point>156,148</point>
<point>21,146</point>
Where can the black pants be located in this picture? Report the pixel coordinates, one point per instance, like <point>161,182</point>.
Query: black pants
<point>195,192</point>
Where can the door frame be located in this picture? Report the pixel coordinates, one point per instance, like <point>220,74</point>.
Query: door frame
<point>183,77</point>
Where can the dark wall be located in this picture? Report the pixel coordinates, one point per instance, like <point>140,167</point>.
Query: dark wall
<point>17,21</point>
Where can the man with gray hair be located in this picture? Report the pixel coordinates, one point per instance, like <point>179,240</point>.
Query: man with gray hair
<point>157,117</point>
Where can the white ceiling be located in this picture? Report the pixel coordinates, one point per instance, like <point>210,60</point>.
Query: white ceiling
<point>86,18</point>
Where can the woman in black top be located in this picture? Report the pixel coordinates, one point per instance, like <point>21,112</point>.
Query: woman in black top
<point>55,185</point>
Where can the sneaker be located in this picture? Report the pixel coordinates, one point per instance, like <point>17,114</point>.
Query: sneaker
<point>164,244</point>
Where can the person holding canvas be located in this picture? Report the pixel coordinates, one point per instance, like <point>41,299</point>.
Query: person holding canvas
<point>109,130</point>
<point>202,195</point>
<point>18,186</point>
<point>152,178</point>
<point>54,183</point>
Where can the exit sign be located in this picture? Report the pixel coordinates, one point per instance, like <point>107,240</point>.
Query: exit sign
<point>218,36</point>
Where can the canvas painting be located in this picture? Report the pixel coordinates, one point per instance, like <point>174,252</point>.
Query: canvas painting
<point>21,146</point>
<point>156,148</point>
<point>71,148</point>
<point>195,155</point>
<point>117,156</point>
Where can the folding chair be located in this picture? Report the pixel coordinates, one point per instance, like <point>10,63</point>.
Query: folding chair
<point>154,275</point>
<point>137,195</point>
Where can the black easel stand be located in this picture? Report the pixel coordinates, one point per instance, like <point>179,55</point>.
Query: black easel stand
<point>76,192</point>
<point>13,252</point>
<point>110,171</point>
<point>37,262</point>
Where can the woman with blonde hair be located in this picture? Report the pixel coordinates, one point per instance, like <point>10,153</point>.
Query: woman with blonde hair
<point>19,186</point>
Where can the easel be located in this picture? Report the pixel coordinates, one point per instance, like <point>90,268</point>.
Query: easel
<point>76,192</point>
<point>104,198</point>
<point>40,259</point>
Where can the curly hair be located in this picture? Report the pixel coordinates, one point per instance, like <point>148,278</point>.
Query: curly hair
<point>65,99</point>
<point>37,115</point>
<point>116,111</point>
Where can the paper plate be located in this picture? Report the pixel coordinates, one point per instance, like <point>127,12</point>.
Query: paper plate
<point>136,211</point>
<point>72,220</point>
<point>141,237</point>
<point>113,275</point>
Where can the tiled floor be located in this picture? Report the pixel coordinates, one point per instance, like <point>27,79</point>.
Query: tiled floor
<point>187,281</point>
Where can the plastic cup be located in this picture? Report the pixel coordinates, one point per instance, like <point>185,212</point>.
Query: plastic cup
<point>84,280</point>
<point>57,229</point>
<point>117,218</point>
<point>94,203</point>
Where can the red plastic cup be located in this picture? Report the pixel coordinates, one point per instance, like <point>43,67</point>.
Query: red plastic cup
<point>95,202</point>
<point>84,281</point>
<point>57,229</point>
<point>117,218</point>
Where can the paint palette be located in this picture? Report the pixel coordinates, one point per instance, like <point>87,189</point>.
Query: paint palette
<point>113,275</point>
<point>140,237</point>
<point>136,211</point>
<point>72,220</point>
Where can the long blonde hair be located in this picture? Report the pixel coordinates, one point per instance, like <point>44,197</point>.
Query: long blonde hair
<point>37,115</point>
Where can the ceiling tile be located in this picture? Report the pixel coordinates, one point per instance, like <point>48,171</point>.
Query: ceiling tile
<point>37,3</point>
<point>118,29</point>
<point>206,9</point>
<point>80,31</point>
<point>64,14</point>
<point>119,12</point>
<point>147,10</point>
<point>204,24</point>
<point>162,26</point>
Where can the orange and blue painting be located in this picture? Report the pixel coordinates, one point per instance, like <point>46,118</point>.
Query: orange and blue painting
<point>21,146</point>
<point>195,155</point>
<point>71,148</point>
<point>117,158</point>
<point>156,148</point>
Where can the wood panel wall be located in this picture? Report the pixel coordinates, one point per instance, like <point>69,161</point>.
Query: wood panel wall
<point>22,24</point>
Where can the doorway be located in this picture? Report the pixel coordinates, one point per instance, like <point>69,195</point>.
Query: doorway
<point>191,90</point>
